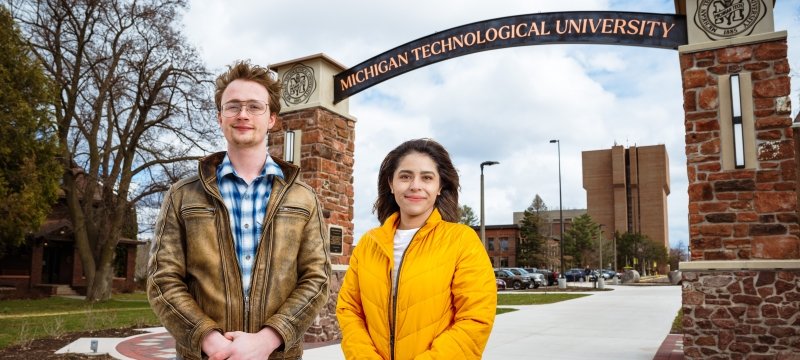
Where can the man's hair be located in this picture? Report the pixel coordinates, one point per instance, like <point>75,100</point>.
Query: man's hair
<point>244,70</point>
<point>447,202</point>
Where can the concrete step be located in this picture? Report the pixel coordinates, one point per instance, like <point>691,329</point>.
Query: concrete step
<point>65,290</point>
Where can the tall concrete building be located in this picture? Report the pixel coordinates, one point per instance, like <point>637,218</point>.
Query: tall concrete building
<point>626,189</point>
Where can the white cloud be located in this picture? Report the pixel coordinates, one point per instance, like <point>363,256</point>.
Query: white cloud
<point>502,105</point>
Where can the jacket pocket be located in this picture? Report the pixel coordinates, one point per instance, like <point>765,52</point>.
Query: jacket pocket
<point>294,211</point>
<point>200,241</point>
<point>197,210</point>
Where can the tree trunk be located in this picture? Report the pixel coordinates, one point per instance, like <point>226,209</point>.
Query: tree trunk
<point>100,289</point>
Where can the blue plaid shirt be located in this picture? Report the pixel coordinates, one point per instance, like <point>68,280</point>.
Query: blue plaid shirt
<point>247,207</point>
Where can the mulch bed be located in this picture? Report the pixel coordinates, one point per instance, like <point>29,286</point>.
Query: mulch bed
<point>46,347</point>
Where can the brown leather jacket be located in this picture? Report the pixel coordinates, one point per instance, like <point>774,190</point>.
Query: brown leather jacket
<point>194,283</point>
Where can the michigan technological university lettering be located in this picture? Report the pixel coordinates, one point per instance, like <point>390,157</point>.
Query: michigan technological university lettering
<point>639,29</point>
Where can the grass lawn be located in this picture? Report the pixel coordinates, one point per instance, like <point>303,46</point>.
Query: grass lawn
<point>677,323</point>
<point>535,299</point>
<point>504,310</point>
<point>25,320</point>
<point>530,299</point>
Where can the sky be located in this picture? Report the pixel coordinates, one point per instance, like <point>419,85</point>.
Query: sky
<point>503,105</point>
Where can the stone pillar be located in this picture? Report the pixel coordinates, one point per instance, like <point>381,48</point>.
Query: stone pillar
<point>326,147</point>
<point>740,290</point>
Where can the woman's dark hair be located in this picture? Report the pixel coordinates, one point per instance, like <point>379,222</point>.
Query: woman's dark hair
<point>447,202</point>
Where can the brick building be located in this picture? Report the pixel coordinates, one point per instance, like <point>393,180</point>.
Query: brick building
<point>627,189</point>
<point>502,241</point>
<point>49,264</point>
<point>501,244</point>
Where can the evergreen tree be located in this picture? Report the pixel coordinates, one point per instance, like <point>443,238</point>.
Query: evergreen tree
<point>29,171</point>
<point>653,253</point>
<point>467,216</point>
<point>532,249</point>
<point>637,251</point>
<point>580,241</point>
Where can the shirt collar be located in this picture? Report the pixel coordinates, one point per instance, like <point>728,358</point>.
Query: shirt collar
<point>225,168</point>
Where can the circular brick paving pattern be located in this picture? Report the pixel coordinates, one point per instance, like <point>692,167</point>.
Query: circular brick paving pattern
<point>148,346</point>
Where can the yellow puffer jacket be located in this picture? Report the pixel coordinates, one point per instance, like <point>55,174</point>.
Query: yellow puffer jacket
<point>445,302</point>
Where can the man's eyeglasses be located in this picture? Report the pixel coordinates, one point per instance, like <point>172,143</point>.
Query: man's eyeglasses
<point>253,107</point>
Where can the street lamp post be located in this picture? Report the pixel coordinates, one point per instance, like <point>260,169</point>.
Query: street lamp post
<point>600,280</point>
<point>483,225</point>
<point>600,242</point>
<point>615,252</point>
<point>616,279</point>
<point>562,281</point>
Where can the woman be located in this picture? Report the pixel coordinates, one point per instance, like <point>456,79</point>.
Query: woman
<point>421,285</point>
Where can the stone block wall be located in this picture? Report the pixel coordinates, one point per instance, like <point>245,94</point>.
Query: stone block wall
<point>744,213</point>
<point>741,315</point>
<point>327,150</point>
<point>740,296</point>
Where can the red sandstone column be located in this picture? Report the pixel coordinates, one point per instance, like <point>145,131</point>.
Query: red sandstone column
<point>740,291</point>
<point>326,147</point>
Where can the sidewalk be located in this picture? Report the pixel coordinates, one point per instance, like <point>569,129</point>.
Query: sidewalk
<point>629,322</point>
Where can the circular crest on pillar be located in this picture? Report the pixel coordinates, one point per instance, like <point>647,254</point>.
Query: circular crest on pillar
<point>298,84</point>
<point>724,19</point>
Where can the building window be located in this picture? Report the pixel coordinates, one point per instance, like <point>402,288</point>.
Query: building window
<point>121,262</point>
<point>504,244</point>
<point>504,262</point>
<point>490,241</point>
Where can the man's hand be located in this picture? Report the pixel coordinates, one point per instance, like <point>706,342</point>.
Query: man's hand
<point>214,343</point>
<point>249,346</point>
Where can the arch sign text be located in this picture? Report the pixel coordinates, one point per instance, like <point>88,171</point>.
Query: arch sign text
<point>666,31</point>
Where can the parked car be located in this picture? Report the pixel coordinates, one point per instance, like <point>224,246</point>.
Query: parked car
<point>549,276</point>
<point>536,279</point>
<point>501,285</point>
<point>609,274</point>
<point>576,274</point>
<point>516,281</point>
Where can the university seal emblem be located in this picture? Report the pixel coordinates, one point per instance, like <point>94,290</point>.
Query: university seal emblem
<point>725,19</point>
<point>298,84</point>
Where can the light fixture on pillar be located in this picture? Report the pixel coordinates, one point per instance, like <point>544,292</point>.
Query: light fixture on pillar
<point>292,140</point>
<point>736,117</point>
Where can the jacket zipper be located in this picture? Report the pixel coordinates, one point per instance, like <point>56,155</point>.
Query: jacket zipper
<point>261,242</point>
<point>247,313</point>
<point>297,210</point>
<point>197,210</point>
<point>393,318</point>
<point>218,197</point>
<point>227,227</point>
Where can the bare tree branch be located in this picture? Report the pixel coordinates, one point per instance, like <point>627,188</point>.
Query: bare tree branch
<point>132,102</point>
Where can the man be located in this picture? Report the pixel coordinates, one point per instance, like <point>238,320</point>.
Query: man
<point>239,267</point>
<point>586,273</point>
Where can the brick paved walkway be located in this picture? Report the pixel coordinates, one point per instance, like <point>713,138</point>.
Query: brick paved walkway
<point>160,346</point>
<point>148,346</point>
<point>671,348</point>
